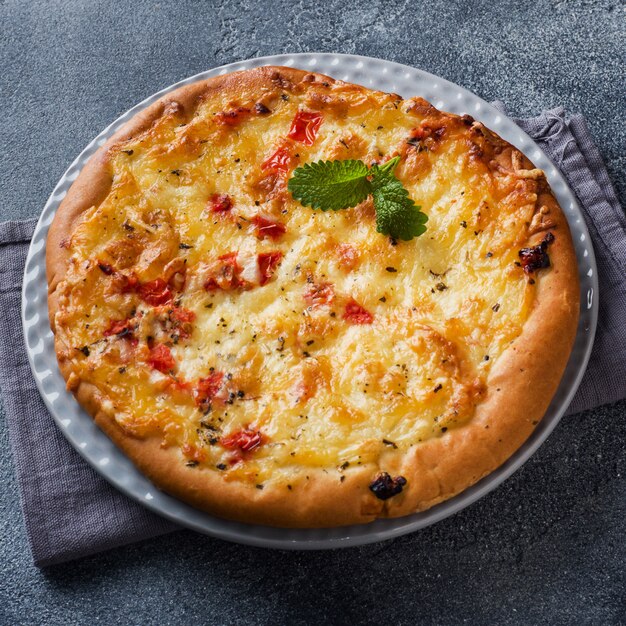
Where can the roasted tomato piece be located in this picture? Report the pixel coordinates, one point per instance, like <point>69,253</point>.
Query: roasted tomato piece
<point>356,314</point>
<point>184,316</point>
<point>155,292</point>
<point>220,203</point>
<point>245,440</point>
<point>385,487</point>
<point>305,126</point>
<point>268,228</point>
<point>280,161</point>
<point>536,258</point>
<point>121,328</point>
<point>225,274</point>
<point>207,388</point>
<point>233,117</point>
<point>319,294</point>
<point>161,359</point>
<point>180,323</point>
<point>268,262</point>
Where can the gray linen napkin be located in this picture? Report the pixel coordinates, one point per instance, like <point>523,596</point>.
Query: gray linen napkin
<point>70,511</point>
<point>568,143</point>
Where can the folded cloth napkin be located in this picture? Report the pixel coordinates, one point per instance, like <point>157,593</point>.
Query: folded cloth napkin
<point>70,511</point>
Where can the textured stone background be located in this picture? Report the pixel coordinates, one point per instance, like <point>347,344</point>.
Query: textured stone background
<point>546,547</point>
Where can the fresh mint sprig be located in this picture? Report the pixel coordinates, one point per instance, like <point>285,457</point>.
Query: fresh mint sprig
<point>335,185</point>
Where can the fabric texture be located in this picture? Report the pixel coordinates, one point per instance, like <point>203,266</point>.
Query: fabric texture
<point>70,511</point>
<point>568,143</point>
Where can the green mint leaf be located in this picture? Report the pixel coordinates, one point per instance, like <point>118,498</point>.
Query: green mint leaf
<point>334,185</point>
<point>388,167</point>
<point>331,185</point>
<point>396,214</point>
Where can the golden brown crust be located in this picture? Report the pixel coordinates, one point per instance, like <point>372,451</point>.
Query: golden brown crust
<point>520,386</point>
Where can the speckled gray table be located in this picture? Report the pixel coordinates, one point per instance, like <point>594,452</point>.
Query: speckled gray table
<point>546,547</point>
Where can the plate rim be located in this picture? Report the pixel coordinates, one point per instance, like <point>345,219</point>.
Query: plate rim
<point>327,538</point>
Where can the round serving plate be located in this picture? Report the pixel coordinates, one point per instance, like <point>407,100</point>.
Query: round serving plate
<point>115,467</point>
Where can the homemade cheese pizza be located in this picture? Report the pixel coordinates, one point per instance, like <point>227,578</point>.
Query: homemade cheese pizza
<point>299,302</point>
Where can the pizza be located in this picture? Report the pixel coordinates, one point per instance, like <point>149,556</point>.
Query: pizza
<point>275,364</point>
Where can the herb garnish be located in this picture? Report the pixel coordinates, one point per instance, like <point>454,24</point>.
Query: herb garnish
<point>335,185</point>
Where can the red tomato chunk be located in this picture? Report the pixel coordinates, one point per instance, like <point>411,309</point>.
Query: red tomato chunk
<point>245,440</point>
<point>268,262</point>
<point>156,292</point>
<point>280,161</point>
<point>161,359</point>
<point>225,275</point>
<point>268,228</point>
<point>305,126</point>
<point>356,314</point>
<point>207,388</point>
<point>220,203</point>
<point>123,328</point>
<point>182,315</point>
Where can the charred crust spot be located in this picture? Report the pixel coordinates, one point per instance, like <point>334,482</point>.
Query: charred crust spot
<point>476,151</point>
<point>385,487</point>
<point>261,109</point>
<point>278,79</point>
<point>468,120</point>
<point>536,257</point>
<point>106,268</point>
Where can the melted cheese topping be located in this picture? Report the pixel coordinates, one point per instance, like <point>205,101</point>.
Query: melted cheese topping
<point>275,351</point>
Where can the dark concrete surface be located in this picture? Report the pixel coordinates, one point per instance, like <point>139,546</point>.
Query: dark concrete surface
<point>546,547</point>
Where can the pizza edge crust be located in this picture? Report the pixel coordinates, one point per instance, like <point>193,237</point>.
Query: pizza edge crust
<point>527,375</point>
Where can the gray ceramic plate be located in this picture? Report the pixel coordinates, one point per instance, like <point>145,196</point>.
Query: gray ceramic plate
<point>102,454</point>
